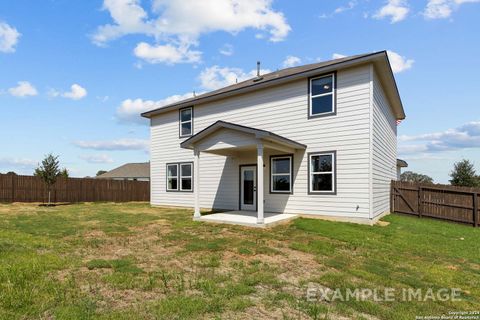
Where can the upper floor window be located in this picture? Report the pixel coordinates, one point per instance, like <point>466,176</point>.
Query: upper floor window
<point>186,122</point>
<point>321,174</point>
<point>322,95</point>
<point>281,174</point>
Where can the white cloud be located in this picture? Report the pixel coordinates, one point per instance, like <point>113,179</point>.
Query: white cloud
<point>53,93</point>
<point>176,26</point>
<point>98,158</point>
<point>438,9</point>
<point>210,79</point>
<point>291,61</point>
<point>23,89</point>
<point>8,38</point>
<point>347,7</point>
<point>129,18</point>
<point>103,98</point>
<point>168,53</point>
<point>463,137</point>
<point>130,109</point>
<point>226,49</point>
<point>338,56</point>
<point>396,10</point>
<point>191,18</point>
<point>216,77</point>
<point>17,162</point>
<point>441,9</point>
<point>114,145</point>
<point>399,63</point>
<point>426,156</point>
<point>76,92</point>
<point>350,5</point>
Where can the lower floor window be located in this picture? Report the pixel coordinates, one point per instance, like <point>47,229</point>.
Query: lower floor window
<point>186,177</point>
<point>179,176</point>
<point>322,172</point>
<point>281,174</point>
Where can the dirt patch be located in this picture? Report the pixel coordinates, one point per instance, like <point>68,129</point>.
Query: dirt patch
<point>261,312</point>
<point>145,249</point>
<point>94,234</point>
<point>19,207</point>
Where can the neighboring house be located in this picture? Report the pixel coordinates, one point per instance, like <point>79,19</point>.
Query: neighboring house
<point>324,136</point>
<point>400,164</point>
<point>129,171</point>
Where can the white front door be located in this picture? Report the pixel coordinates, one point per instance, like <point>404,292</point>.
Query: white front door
<point>248,188</point>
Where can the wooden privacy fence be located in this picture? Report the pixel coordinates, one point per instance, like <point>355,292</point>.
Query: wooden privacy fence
<point>459,204</point>
<point>16,188</point>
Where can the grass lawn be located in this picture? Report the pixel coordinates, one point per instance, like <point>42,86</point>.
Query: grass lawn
<point>131,261</point>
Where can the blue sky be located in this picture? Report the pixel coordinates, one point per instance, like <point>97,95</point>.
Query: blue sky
<point>74,75</point>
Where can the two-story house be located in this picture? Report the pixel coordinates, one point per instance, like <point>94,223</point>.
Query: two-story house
<point>318,139</point>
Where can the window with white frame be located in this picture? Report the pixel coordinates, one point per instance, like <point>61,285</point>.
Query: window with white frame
<point>186,122</point>
<point>322,95</point>
<point>172,177</point>
<point>281,174</point>
<point>186,177</point>
<point>180,176</point>
<point>322,172</point>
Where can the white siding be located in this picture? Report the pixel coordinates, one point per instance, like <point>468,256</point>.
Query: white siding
<point>283,110</point>
<point>384,160</point>
<point>225,139</point>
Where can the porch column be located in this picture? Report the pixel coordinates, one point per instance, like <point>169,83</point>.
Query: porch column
<point>196,182</point>
<point>260,219</point>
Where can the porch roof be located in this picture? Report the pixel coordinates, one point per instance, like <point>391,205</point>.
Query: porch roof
<point>259,134</point>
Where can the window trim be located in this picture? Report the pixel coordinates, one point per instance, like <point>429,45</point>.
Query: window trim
<point>182,177</point>
<point>167,176</point>
<point>180,122</point>
<point>333,172</point>
<point>272,157</point>
<point>179,188</point>
<point>333,93</point>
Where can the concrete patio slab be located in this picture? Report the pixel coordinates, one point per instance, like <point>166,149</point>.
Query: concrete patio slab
<point>247,218</point>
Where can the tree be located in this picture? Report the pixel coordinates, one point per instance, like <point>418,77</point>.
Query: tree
<point>463,174</point>
<point>48,171</point>
<point>410,176</point>
<point>100,172</point>
<point>64,173</point>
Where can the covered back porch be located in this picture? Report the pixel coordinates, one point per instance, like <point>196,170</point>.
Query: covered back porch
<point>228,139</point>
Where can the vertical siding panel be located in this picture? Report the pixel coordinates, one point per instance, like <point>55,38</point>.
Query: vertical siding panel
<point>384,149</point>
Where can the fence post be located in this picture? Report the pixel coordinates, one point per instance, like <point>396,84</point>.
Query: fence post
<point>420,201</point>
<point>392,207</point>
<point>475,209</point>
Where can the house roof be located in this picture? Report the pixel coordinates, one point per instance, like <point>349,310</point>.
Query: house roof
<point>259,133</point>
<point>128,170</point>
<point>380,60</point>
<point>402,163</point>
